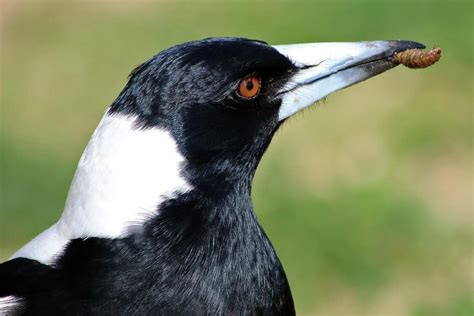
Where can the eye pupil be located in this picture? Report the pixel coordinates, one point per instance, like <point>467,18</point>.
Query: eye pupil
<point>249,84</point>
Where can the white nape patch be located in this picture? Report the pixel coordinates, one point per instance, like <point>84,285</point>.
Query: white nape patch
<point>324,70</point>
<point>123,176</point>
<point>43,247</point>
<point>9,304</point>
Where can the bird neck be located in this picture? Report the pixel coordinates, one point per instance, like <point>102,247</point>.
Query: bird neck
<point>192,213</point>
<point>216,247</point>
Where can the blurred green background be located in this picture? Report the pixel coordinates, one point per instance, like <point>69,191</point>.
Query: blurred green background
<point>367,197</point>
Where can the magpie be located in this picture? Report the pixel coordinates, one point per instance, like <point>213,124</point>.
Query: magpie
<point>159,217</point>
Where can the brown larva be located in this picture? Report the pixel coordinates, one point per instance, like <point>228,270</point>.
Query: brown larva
<point>415,58</point>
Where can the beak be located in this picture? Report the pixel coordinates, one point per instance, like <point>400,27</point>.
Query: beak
<point>323,68</point>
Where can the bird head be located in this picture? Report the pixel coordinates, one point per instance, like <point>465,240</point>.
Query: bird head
<point>222,99</point>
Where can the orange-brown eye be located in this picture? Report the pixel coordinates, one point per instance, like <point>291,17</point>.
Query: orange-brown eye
<point>249,87</point>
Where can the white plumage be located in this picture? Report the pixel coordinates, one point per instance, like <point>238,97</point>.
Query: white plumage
<point>122,177</point>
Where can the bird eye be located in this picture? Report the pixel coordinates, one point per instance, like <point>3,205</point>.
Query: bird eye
<point>249,87</point>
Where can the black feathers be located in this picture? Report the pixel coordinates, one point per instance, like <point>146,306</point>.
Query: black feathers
<point>196,257</point>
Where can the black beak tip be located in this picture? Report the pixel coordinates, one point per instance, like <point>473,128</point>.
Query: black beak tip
<point>400,46</point>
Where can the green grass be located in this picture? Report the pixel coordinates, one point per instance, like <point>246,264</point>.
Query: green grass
<point>367,197</point>
<point>459,305</point>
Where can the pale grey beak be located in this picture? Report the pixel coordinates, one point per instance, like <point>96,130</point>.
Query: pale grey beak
<point>327,67</point>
